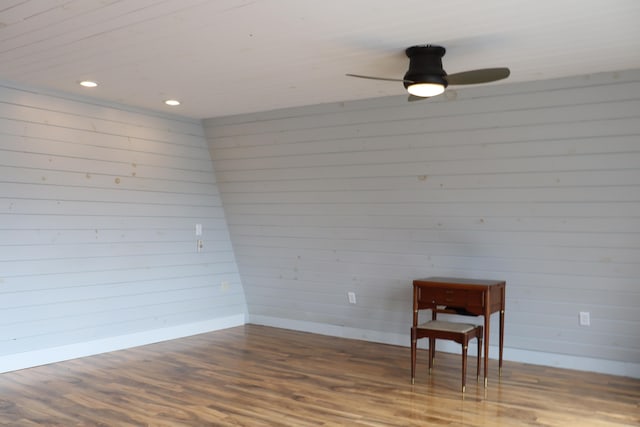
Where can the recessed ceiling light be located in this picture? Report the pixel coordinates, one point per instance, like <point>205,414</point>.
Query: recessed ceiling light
<point>172,102</point>
<point>88,83</point>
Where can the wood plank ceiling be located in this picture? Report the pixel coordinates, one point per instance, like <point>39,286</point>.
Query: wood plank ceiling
<point>237,56</point>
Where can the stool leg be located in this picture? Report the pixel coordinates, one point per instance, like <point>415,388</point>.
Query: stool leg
<point>479,339</point>
<point>431,351</point>
<point>464,366</point>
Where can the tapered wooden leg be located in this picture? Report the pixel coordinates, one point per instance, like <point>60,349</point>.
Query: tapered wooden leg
<point>464,366</point>
<point>486,329</point>
<point>413,355</point>
<point>479,339</point>
<point>501,337</point>
<point>431,351</point>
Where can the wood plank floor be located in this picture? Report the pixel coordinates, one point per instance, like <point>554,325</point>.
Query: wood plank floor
<point>261,376</point>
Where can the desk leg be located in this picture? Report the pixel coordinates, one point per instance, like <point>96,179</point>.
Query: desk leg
<point>501,340</point>
<point>413,355</point>
<point>502,304</point>
<point>487,322</point>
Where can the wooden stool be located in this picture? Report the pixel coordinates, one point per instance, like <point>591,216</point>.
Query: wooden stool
<point>454,331</point>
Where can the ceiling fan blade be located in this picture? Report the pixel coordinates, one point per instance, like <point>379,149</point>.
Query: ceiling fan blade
<point>483,75</point>
<point>378,78</point>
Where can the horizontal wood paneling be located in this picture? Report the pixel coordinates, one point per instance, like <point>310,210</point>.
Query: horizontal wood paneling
<point>537,184</point>
<point>98,206</point>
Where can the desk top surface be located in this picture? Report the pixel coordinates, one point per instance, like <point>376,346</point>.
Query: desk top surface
<point>434,281</point>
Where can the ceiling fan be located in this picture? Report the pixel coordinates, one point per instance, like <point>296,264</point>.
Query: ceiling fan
<point>427,78</point>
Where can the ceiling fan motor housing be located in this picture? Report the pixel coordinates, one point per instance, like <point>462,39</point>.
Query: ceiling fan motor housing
<point>425,65</point>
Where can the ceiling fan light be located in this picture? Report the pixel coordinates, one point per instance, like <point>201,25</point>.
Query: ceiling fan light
<point>88,83</point>
<point>425,90</point>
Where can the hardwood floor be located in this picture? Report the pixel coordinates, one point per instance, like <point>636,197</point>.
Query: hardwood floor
<point>260,376</point>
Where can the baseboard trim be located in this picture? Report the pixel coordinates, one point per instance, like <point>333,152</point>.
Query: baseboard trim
<point>578,363</point>
<point>30,359</point>
<point>14,362</point>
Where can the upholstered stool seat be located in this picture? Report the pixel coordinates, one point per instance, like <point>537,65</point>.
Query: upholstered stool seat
<point>438,329</point>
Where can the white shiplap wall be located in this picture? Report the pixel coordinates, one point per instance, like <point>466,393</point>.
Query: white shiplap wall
<point>98,207</point>
<point>537,184</point>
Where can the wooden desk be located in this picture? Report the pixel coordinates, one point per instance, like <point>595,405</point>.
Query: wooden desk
<point>467,297</point>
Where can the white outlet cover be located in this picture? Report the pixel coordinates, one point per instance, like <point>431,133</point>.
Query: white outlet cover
<point>352,297</point>
<point>585,318</point>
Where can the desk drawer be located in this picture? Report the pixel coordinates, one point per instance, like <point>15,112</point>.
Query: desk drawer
<point>451,297</point>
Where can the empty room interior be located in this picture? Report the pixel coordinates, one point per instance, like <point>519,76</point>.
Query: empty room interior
<point>266,213</point>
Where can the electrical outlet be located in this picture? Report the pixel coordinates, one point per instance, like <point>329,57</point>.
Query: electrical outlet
<point>199,245</point>
<point>352,297</point>
<point>585,318</point>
